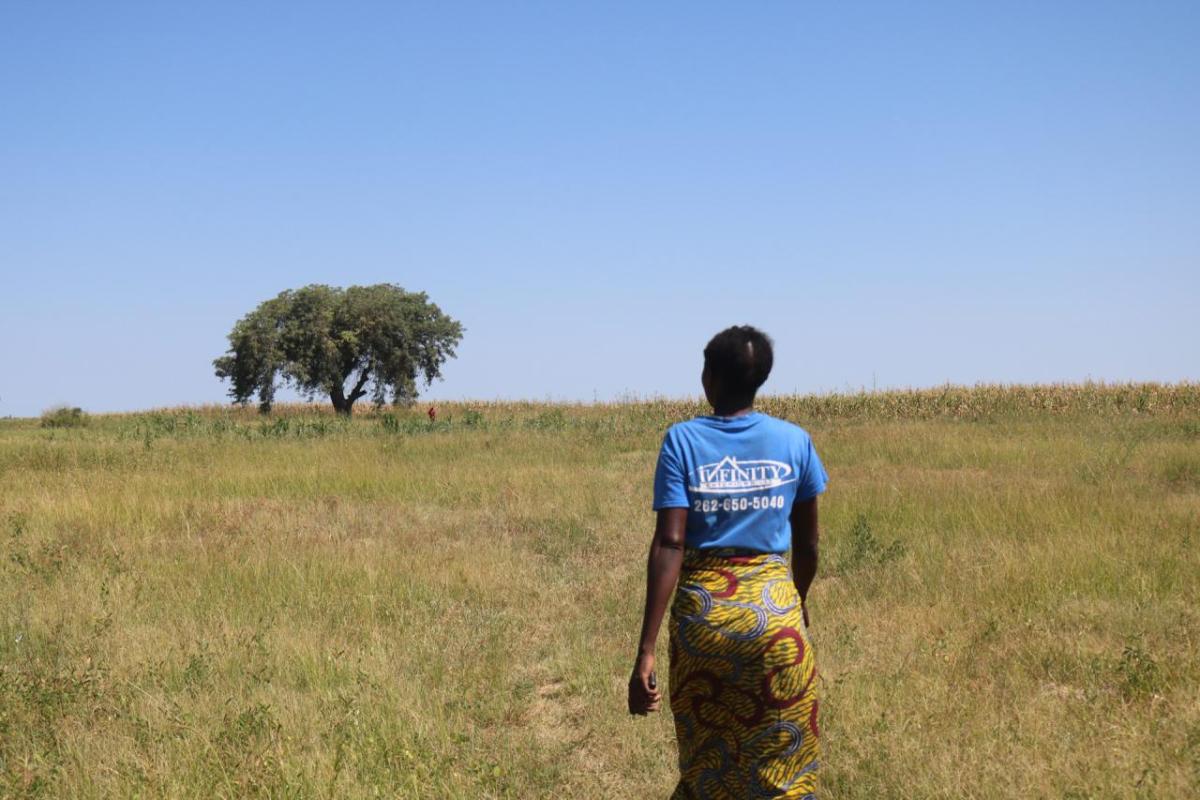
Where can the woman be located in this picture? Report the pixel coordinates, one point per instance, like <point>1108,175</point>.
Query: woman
<point>732,492</point>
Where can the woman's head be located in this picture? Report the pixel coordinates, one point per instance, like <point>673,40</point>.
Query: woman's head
<point>736,362</point>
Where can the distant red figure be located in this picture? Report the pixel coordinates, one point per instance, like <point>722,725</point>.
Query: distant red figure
<point>433,413</point>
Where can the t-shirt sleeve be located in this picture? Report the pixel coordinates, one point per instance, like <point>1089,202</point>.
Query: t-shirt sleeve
<point>670,482</point>
<point>813,477</point>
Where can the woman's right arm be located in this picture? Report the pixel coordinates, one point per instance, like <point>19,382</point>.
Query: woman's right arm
<point>806,534</point>
<point>662,573</point>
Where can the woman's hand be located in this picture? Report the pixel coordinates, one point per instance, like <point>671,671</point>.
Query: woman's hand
<point>644,694</point>
<point>662,573</point>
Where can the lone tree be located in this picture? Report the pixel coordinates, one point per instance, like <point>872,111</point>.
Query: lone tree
<point>344,343</point>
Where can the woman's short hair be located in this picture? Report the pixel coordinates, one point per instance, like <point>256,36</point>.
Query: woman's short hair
<point>740,359</point>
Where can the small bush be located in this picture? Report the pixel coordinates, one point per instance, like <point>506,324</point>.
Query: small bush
<point>1139,673</point>
<point>64,417</point>
<point>866,550</point>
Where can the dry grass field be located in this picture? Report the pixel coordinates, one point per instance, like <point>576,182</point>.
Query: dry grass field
<point>209,603</point>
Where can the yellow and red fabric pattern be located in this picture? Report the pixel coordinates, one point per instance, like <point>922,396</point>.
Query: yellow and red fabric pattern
<point>742,683</point>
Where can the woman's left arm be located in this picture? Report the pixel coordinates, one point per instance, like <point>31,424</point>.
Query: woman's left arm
<point>662,573</point>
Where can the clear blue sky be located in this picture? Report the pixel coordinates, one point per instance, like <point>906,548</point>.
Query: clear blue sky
<point>901,194</point>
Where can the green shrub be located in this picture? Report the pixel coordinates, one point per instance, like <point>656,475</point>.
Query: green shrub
<point>64,417</point>
<point>866,549</point>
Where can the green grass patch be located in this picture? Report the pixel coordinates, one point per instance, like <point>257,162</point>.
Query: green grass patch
<point>209,602</point>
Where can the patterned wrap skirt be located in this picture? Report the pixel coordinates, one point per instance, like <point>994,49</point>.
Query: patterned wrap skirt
<point>742,679</point>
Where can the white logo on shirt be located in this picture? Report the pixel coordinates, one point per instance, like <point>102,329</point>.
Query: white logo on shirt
<point>730,476</point>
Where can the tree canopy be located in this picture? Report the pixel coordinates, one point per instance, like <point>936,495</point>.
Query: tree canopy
<point>343,343</point>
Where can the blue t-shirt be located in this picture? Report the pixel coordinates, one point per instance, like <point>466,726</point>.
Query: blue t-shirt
<point>738,478</point>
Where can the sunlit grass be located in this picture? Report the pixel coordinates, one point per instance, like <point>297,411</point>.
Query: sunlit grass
<point>206,603</point>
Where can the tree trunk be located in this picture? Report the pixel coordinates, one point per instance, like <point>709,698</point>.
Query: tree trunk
<point>344,404</point>
<point>341,404</point>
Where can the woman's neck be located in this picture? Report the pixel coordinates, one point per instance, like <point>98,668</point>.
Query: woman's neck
<point>738,409</point>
